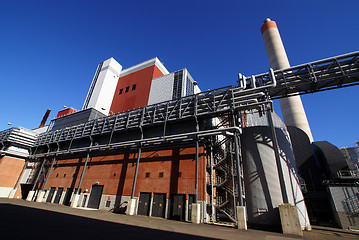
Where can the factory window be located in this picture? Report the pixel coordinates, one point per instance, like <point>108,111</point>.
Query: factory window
<point>133,87</point>
<point>127,88</point>
<point>147,174</point>
<point>179,174</point>
<point>161,175</point>
<point>57,175</point>
<point>65,175</point>
<point>121,90</point>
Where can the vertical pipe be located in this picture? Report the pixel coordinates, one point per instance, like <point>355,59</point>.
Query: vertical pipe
<point>212,194</point>
<point>136,172</point>
<point>196,175</point>
<point>38,175</point>
<point>238,166</point>
<point>22,171</point>
<point>277,157</point>
<point>47,177</point>
<point>83,172</point>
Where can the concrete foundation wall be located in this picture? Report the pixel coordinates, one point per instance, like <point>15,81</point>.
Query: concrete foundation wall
<point>5,192</point>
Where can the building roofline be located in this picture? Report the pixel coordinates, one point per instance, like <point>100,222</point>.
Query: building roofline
<point>143,65</point>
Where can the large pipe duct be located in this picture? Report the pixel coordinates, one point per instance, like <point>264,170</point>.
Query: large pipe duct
<point>292,107</point>
<point>44,119</point>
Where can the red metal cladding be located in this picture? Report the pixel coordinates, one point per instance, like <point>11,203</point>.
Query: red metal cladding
<point>65,112</point>
<point>135,89</point>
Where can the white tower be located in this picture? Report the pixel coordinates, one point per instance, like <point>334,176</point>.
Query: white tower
<point>292,107</point>
<point>103,86</point>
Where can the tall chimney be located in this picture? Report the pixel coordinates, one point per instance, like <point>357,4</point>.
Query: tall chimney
<point>292,107</point>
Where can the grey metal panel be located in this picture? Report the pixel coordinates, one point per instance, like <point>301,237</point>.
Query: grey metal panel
<point>161,89</point>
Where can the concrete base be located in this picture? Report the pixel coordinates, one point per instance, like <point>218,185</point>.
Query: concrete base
<point>40,196</point>
<point>12,193</point>
<point>241,218</point>
<point>131,206</point>
<point>75,200</point>
<point>30,195</point>
<point>290,220</point>
<point>196,213</point>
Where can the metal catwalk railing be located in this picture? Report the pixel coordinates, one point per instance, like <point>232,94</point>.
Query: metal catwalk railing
<point>206,104</point>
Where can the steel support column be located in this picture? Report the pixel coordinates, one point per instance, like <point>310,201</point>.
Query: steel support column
<point>238,166</point>
<point>277,157</point>
<point>38,175</point>
<point>213,216</point>
<point>196,174</point>
<point>136,172</point>
<point>83,173</point>
<point>22,171</point>
<point>48,174</point>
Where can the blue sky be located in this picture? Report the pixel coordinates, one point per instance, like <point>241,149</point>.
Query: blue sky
<point>49,50</point>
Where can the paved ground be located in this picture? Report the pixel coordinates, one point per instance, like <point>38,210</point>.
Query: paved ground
<point>31,220</point>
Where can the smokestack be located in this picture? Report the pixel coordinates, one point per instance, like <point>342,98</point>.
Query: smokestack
<point>44,119</point>
<point>292,107</point>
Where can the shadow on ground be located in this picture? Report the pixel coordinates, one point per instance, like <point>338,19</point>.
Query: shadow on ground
<point>25,222</point>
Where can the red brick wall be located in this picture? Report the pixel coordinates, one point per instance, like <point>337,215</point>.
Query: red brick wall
<point>116,173</point>
<point>134,98</point>
<point>10,169</point>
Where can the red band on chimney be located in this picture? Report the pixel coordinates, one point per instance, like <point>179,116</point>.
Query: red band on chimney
<point>270,24</point>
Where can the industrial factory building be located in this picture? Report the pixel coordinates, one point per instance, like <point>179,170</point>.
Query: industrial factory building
<point>149,142</point>
<point>162,158</point>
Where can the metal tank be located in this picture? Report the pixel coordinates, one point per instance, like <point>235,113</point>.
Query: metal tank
<point>262,186</point>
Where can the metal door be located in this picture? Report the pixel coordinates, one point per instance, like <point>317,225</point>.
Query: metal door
<point>190,201</point>
<point>95,196</point>
<point>144,204</point>
<point>67,197</point>
<point>178,207</point>
<point>159,205</point>
<point>58,195</point>
<point>51,194</point>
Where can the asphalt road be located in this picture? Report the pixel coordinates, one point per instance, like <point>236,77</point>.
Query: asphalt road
<point>31,220</point>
